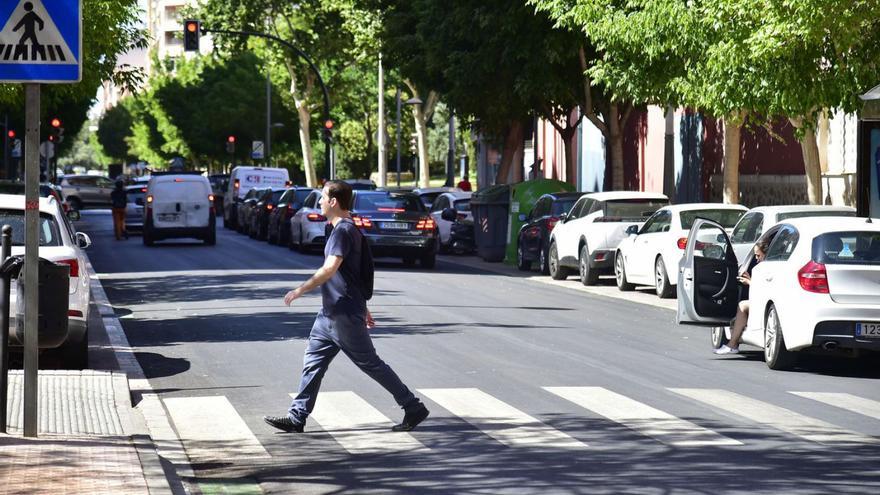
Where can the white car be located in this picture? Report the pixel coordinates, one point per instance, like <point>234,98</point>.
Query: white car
<point>586,237</point>
<point>134,208</point>
<point>61,244</point>
<point>818,286</point>
<point>179,205</point>
<point>429,194</point>
<point>758,220</point>
<point>307,226</point>
<point>645,257</point>
<point>459,203</point>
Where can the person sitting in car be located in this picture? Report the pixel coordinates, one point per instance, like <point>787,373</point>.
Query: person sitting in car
<point>742,310</point>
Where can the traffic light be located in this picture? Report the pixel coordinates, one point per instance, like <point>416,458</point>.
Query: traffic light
<point>57,133</point>
<point>328,131</point>
<point>230,144</point>
<point>192,29</point>
<point>11,133</point>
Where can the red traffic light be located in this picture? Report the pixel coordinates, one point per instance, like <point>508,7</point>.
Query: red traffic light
<point>328,124</point>
<point>192,26</point>
<point>230,139</point>
<point>55,122</point>
<point>11,133</point>
<point>51,138</point>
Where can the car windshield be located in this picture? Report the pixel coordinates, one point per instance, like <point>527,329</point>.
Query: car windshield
<point>462,205</point>
<point>276,195</point>
<point>727,218</point>
<point>561,206</point>
<point>847,248</point>
<point>820,213</point>
<point>632,209</point>
<point>48,228</point>
<point>387,202</point>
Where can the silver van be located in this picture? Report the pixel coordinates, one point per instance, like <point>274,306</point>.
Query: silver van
<point>179,205</point>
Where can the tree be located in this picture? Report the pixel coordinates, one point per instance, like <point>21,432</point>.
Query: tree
<point>113,131</point>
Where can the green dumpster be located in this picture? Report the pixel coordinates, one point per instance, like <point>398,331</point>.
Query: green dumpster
<point>523,197</point>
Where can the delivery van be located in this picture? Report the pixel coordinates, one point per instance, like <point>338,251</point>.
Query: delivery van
<point>243,179</point>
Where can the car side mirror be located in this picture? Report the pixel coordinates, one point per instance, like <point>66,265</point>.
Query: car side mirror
<point>720,238</point>
<point>632,230</point>
<point>73,215</point>
<point>522,217</point>
<point>563,217</point>
<point>83,240</point>
<point>449,214</point>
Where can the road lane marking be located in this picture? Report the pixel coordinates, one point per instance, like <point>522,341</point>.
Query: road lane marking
<point>641,417</point>
<point>499,420</point>
<point>211,429</point>
<point>854,403</point>
<point>808,428</point>
<point>359,427</point>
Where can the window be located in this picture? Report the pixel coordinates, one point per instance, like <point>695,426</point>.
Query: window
<point>820,213</point>
<point>783,245</point>
<point>597,206</point>
<point>727,218</point>
<point>847,248</point>
<point>542,207</point>
<point>660,222</point>
<point>50,235</point>
<point>748,229</point>
<point>103,182</point>
<point>440,204</point>
<point>621,210</point>
<point>463,205</point>
<point>581,208</point>
<point>387,201</point>
<point>562,205</point>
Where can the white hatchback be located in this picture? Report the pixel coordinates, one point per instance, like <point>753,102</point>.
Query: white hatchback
<point>59,243</point>
<point>179,205</point>
<point>818,286</point>
<point>647,254</point>
<point>308,225</point>
<point>459,205</point>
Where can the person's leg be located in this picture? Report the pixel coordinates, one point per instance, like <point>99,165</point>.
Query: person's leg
<point>118,222</point>
<point>739,325</point>
<point>319,353</point>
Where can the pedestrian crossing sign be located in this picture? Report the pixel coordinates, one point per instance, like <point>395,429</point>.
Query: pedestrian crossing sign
<point>41,41</point>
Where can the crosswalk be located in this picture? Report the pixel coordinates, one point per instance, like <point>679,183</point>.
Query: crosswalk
<point>211,429</point>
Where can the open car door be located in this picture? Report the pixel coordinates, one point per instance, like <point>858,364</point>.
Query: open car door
<point>708,290</point>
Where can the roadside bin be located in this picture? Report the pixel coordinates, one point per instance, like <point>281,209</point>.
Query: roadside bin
<point>490,208</point>
<point>54,299</point>
<point>523,197</point>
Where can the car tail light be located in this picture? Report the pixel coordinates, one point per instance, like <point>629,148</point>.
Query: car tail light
<point>73,312</point>
<point>211,198</point>
<point>364,223</point>
<point>317,217</point>
<point>149,198</point>
<point>426,223</point>
<point>143,189</point>
<point>235,185</point>
<point>683,241</point>
<point>551,222</point>
<point>73,264</point>
<point>813,278</point>
<point>269,206</point>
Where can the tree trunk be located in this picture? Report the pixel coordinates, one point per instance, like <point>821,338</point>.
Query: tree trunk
<point>305,139</point>
<point>812,165</point>
<point>512,143</point>
<point>732,140</point>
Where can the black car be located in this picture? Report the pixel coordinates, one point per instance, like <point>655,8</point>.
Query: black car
<point>245,208</point>
<point>279,218</point>
<point>259,214</point>
<point>396,225</point>
<point>534,236</point>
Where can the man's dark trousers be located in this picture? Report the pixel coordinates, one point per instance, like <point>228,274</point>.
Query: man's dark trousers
<point>347,333</point>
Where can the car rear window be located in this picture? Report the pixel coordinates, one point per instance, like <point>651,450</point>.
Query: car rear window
<point>300,195</point>
<point>820,213</point>
<point>183,189</point>
<point>48,227</point>
<point>621,210</point>
<point>462,205</point>
<point>561,206</point>
<point>727,218</point>
<point>847,248</point>
<point>387,201</point>
<point>276,195</point>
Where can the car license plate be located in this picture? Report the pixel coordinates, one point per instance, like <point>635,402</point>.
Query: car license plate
<point>168,217</point>
<point>395,225</point>
<point>869,330</point>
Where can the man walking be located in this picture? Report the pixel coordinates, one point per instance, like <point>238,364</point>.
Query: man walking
<point>343,322</point>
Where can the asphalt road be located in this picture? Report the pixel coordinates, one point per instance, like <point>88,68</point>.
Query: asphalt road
<point>533,388</point>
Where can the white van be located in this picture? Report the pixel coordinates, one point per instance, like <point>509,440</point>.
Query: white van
<point>179,205</point>
<point>243,179</point>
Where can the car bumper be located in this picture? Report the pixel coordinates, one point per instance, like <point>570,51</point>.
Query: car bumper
<point>394,246</point>
<point>842,334</point>
<point>827,321</point>
<point>602,259</point>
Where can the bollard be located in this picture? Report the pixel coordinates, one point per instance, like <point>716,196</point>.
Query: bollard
<point>5,251</point>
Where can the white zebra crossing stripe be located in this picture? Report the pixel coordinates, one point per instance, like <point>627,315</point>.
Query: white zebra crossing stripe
<point>641,417</point>
<point>856,404</point>
<point>211,430</point>
<point>359,427</point>
<point>777,417</point>
<point>499,420</point>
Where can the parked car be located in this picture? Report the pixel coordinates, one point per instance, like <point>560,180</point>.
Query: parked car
<point>457,206</point>
<point>307,226</point>
<point>462,238</point>
<point>757,220</point>
<point>87,190</point>
<point>279,218</point>
<point>534,235</point>
<point>259,215</point>
<point>245,208</point>
<point>429,194</point>
<point>59,243</point>
<point>816,288</point>
<point>585,239</point>
<point>396,225</point>
<point>179,205</point>
<point>45,190</point>
<point>361,184</point>
<point>241,181</point>
<point>645,256</point>
<point>219,185</point>
<point>134,210</point>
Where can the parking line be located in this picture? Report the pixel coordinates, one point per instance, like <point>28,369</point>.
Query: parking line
<point>808,428</point>
<point>500,420</point>
<point>641,417</point>
<point>854,403</point>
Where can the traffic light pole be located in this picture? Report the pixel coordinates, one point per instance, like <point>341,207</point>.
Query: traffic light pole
<point>329,168</point>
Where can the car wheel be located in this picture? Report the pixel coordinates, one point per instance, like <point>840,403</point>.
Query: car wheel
<point>588,275</point>
<point>75,355</point>
<point>211,238</point>
<point>283,235</point>
<point>543,262</point>
<point>719,337</point>
<point>776,355</point>
<point>521,262</point>
<point>620,274</point>
<point>75,203</point>
<point>428,260</point>
<point>662,285</point>
<point>557,272</point>
<point>227,221</point>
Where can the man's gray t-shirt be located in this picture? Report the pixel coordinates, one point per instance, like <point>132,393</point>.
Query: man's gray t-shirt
<point>343,293</point>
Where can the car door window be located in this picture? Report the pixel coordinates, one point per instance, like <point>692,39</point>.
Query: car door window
<point>597,206</point>
<point>104,183</point>
<point>659,222</point>
<point>783,244</point>
<point>310,202</point>
<point>748,229</point>
<point>440,204</point>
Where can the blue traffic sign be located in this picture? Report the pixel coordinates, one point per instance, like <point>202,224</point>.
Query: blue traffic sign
<point>41,41</point>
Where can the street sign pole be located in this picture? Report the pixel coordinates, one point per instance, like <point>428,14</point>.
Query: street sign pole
<point>31,255</point>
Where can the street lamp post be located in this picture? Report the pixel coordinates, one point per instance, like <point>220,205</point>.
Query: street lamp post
<point>411,101</point>
<point>269,140</point>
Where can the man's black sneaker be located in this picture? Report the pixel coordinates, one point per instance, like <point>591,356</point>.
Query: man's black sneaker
<point>412,419</point>
<point>283,423</point>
